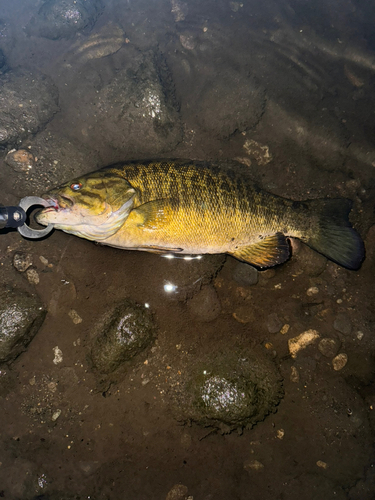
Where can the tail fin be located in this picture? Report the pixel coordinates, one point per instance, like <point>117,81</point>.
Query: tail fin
<point>333,235</point>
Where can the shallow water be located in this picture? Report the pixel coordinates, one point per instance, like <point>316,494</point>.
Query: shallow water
<point>285,89</point>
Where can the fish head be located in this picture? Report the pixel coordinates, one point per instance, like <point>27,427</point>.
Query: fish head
<point>93,206</point>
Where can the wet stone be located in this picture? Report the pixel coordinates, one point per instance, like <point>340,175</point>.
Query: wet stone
<point>64,18</point>
<point>339,361</point>
<point>342,324</point>
<point>253,465</point>
<point>329,347</point>
<point>32,276</point>
<point>144,112</point>
<point>122,334</point>
<point>229,390</point>
<point>205,306</point>
<point>245,275</point>
<point>21,316</point>
<point>178,492</point>
<point>20,161</point>
<point>22,261</point>
<point>28,100</point>
<point>274,324</point>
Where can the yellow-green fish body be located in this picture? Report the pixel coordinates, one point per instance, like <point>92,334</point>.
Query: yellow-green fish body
<point>191,207</point>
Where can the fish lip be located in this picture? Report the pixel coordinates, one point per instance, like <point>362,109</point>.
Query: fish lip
<point>53,202</point>
<point>59,202</point>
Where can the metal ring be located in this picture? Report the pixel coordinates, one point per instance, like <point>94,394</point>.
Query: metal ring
<point>27,231</point>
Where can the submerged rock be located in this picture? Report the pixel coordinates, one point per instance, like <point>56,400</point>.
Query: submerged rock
<point>245,275</point>
<point>64,18</point>
<point>21,316</point>
<point>20,161</point>
<point>122,334</point>
<point>205,306</point>
<point>134,114</point>
<point>228,390</point>
<point>28,100</point>
<point>242,101</point>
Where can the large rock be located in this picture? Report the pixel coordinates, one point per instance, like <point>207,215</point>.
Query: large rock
<point>242,101</point>
<point>134,115</point>
<point>64,18</point>
<point>122,334</point>
<point>21,316</point>
<point>227,390</point>
<point>28,100</point>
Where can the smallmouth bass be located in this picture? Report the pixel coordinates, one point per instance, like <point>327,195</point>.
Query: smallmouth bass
<point>198,207</point>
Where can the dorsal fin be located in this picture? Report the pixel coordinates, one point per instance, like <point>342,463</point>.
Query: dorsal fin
<point>270,251</point>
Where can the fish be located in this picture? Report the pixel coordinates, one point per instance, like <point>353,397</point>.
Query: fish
<point>199,207</point>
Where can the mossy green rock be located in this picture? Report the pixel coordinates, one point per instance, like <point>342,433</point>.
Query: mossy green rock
<point>122,334</point>
<point>21,316</point>
<point>229,390</point>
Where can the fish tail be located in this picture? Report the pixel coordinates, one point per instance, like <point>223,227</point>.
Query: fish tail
<point>331,233</point>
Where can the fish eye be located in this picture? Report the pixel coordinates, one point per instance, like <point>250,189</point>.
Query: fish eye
<point>76,186</point>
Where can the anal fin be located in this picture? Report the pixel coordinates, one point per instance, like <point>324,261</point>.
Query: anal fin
<point>268,252</point>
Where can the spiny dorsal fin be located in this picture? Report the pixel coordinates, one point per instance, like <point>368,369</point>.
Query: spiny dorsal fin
<point>154,214</point>
<point>270,251</point>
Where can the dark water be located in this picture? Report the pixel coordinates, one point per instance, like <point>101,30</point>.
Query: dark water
<point>286,89</point>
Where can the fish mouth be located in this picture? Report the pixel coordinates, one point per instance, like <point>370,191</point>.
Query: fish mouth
<point>57,203</point>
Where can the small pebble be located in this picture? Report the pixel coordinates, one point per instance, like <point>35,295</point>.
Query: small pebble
<point>178,492</point>
<point>340,361</point>
<point>20,161</point>
<point>43,260</point>
<point>245,275</point>
<point>285,329</point>
<point>274,324</point>
<point>313,290</point>
<point>56,415</point>
<point>205,306</point>
<point>267,274</point>
<point>32,276</point>
<point>329,347</point>
<point>75,317</point>
<point>302,341</point>
<point>294,374</point>
<point>243,314</point>
<point>188,42</point>
<point>321,464</point>
<point>360,335</point>
<point>22,261</point>
<point>342,324</point>
<point>280,433</point>
<point>58,355</point>
<point>253,465</point>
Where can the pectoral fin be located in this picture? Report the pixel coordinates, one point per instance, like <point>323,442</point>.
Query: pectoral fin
<point>269,252</point>
<point>154,214</point>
